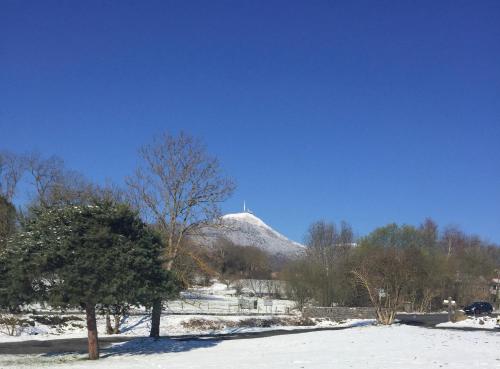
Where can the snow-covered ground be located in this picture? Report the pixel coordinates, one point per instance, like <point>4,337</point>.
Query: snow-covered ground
<point>178,325</point>
<point>368,347</point>
<point>212,309</point>
<point>478,323</point>
<point>218,299</point>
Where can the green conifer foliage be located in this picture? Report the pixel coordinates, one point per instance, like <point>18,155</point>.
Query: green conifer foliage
<point>83,256</point>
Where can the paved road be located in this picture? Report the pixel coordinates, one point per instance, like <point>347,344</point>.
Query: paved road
<point>426,320</point>
<point>80,344</point>
<point>56,346</point>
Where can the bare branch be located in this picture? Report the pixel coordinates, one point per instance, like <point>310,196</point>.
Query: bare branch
<point>11,170</point>
<point>178,187</point>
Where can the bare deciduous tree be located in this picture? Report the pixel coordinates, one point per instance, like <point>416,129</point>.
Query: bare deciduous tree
<point>178,187</point>
<point>45,174</point>
<point>11,171</point>
<point>56,185</point>
<point>7,220</point>
<point>326,248</point>
<point>384,274</point>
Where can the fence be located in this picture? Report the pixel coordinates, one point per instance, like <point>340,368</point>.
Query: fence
<point>203,306</point>
<point>229,306</point>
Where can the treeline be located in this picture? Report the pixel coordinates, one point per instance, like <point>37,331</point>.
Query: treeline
<point>226,261</point>
<point>393,268</point>
<point>105,248</point>
<point>76,244</point>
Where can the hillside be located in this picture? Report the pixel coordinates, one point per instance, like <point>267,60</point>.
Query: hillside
<point>245,229</point>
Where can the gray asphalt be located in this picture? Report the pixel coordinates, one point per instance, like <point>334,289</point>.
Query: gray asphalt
<point>426,320</point>
<point>66,345</point>
<point>70,345</point>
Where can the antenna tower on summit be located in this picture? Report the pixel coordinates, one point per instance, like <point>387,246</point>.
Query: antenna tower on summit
<point>245,209</point>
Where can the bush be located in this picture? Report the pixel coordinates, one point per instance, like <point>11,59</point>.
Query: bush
<point>12,325</point>
<point>54,320</point>
<point>214,325</point>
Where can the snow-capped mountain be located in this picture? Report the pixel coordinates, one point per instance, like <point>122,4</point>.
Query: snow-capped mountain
<point>245,229</point>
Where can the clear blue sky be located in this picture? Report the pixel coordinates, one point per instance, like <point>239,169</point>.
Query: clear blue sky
<point>368,111</point>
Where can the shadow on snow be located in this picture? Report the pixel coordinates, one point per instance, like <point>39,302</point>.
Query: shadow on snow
<point>148,346</point>
<point>125,328</point>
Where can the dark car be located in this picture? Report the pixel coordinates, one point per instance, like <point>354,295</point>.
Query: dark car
<point>478,308</point>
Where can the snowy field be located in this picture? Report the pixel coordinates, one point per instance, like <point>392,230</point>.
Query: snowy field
<point>474,323</point>
<point>215,310</point>
<point>202,310</point>
<point>368,347</point>
<point>177,325</point>
<point>218,299</point>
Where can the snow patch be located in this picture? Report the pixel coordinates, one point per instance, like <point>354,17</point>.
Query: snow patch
<point>476,323</point>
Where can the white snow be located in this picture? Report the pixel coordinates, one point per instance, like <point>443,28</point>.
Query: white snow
<point>215,303</point>
<point>248,218</point>
<point>219,299</point>
<point>476,323</point>
<point>361,345</point>
<point>215,287</point>
<point>176,325</point>
<point>246,229</point>
<point>380,347</point>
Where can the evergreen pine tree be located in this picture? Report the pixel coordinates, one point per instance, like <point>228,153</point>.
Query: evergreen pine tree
<point>82,256</point>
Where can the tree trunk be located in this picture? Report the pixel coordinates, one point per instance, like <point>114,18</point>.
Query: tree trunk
<point>118,318</point>
<point>156,310</point>
<point>155,319</point>
<point>109,328</point>
<point>92,332</point>
<point>385,316</point>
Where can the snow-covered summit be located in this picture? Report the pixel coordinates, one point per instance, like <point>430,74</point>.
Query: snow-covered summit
<point>245,217</point>
<point>246,229</point>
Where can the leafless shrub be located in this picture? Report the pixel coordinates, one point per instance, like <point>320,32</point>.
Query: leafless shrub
<point>55,320</point>
<point>12,325</point>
